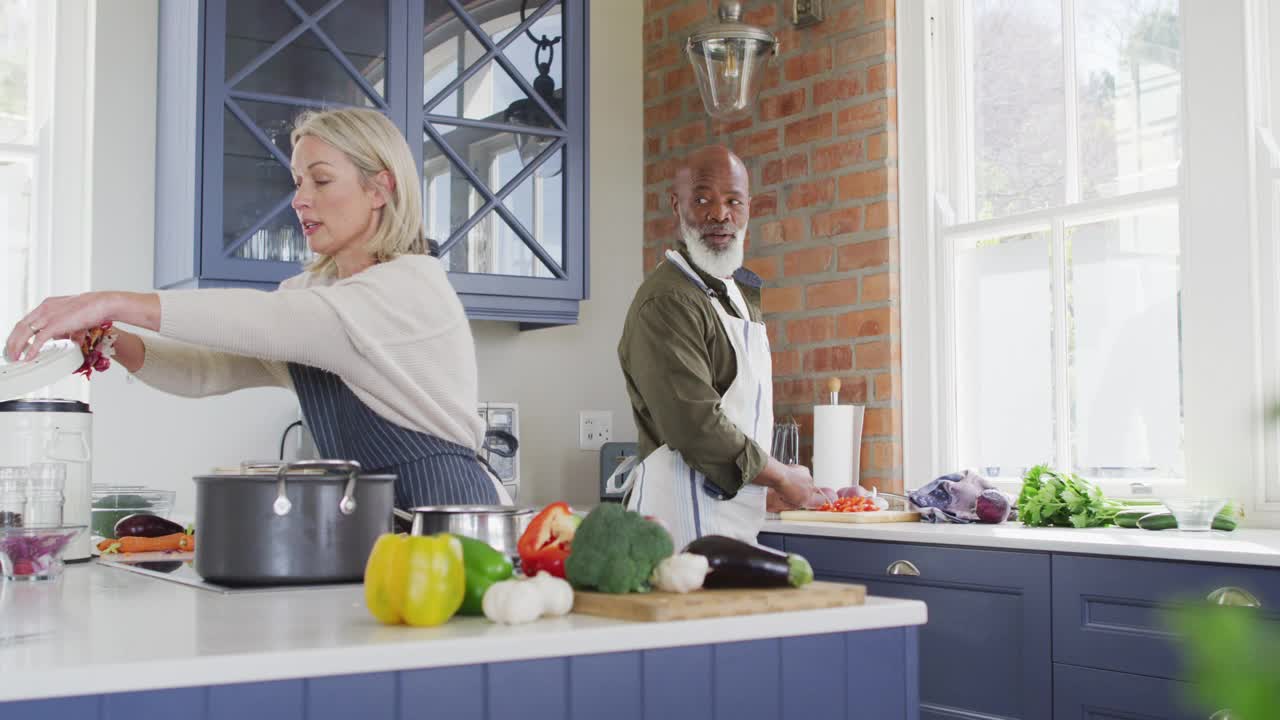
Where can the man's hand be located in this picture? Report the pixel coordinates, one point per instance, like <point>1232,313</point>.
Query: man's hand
<point>790,486</point>
<point>796,488</point>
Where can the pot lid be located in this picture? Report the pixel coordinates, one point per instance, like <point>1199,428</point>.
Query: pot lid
<point>295,477</point>
<point>470,509</point>
<point>56,361</point>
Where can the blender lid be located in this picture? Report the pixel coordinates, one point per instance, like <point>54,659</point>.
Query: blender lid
<point>58,360</point>
<point>57,405</point>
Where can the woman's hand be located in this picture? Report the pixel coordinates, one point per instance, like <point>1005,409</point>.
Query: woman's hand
<point>63,317</point>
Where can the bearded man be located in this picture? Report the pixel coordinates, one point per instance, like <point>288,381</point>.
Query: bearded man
<point>695,355</point>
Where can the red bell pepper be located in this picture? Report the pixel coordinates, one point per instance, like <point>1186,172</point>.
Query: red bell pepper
<point>547,541</point>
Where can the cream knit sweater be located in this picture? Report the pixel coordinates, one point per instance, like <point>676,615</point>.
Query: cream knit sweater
<point>395,333</point>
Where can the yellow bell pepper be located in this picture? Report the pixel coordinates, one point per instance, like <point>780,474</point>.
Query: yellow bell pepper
<point>415,580</point>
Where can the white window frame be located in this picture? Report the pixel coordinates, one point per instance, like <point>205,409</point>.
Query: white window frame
<point>1263,54</point>
<point>58,153</point>
<point>1220,354</point>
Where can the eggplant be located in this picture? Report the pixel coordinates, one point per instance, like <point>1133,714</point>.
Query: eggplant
<point>164,566</point>
<point>145,525</point>
<point>737,564</point>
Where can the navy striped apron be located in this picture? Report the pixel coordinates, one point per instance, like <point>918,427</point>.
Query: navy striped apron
<point>428,470</point>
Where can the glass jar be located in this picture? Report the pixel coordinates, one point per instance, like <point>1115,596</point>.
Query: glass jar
<point>13,496</point>
<point>44,494</point>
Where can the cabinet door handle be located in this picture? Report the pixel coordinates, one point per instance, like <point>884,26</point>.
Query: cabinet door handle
<point>902,567</point>
<point>1233,597</point>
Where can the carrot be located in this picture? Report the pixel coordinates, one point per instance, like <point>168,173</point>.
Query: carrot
<point>180,542</point>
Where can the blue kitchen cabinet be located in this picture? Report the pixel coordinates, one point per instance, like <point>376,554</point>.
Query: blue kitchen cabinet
<point>985,652</point>
<point>1033,634</point>
<point>491,98</point>
<point>1113,613</point>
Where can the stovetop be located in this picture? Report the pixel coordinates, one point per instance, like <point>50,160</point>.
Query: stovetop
<point>181,572</point>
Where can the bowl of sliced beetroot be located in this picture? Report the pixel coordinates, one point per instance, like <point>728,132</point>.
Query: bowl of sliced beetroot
<point>34,553</point>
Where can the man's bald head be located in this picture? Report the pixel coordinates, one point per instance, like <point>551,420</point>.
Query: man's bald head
<point>711,202</point>
<point>712,162</point>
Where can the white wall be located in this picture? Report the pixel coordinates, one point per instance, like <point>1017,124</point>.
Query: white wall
<point>556,372</point>
<point>143,436</point>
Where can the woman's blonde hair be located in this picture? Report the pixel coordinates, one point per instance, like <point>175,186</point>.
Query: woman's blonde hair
<point>373,144</point>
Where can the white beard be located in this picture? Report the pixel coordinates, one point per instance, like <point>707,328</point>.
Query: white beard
<point>721,264</point>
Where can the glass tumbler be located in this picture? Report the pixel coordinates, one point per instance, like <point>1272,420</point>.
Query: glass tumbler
<point>44,494</point>
<point>13,495</point>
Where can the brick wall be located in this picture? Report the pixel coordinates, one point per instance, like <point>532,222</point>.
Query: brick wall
<point>820,146</point>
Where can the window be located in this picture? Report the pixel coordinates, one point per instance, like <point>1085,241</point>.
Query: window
<point>43,158</point>
<point>1128,250</point>
<point>24,76</point>
<point>1264,71</point>
<point>1056,233</point>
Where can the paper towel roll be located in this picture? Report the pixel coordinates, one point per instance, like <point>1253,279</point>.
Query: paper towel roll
<point>837,441</point>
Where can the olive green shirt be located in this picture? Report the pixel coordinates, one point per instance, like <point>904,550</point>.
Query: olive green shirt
<point>678,363</point>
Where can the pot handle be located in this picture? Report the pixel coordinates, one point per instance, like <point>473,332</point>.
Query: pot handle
<point>348,503</point>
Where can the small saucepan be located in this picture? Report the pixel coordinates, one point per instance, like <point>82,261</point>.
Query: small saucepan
<point>498,525</point>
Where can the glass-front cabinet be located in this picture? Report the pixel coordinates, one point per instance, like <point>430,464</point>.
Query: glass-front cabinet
<point>490,95</point>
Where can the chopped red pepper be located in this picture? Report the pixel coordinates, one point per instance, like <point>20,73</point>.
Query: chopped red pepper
<point>547,541</point>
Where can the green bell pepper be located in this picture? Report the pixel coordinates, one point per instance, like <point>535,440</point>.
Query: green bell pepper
<point>485,566</point>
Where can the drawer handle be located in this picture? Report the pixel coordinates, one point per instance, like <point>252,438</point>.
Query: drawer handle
<point>1233,597</point>
<point>902,567</point>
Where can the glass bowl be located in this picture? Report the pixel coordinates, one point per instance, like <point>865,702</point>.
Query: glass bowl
<point>1195,514</point>
<point>34,553</point>
<point>112,502</point>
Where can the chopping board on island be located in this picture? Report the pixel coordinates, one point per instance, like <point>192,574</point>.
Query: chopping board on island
<point>873,516</point>
<point>663,606</point>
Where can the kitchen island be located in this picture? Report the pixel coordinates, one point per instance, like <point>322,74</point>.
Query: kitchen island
<point>105,643</point>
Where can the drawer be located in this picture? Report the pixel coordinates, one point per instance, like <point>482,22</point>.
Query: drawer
<point>868,559</point>
<point>1088,694</point>
<point>1114,614</point>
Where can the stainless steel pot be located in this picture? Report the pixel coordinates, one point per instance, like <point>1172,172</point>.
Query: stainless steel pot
<point>498,525</point>
<point>309,522</point>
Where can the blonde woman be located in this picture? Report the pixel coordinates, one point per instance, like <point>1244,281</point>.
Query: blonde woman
<point>372,337</point>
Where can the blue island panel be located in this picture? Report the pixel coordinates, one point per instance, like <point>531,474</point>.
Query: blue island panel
<point>748,680</point>
<point>843,676</point>
<point>594,689</point>
<point>279,700</point>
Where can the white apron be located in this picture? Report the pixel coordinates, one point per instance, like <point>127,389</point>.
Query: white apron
<point>665,487</point>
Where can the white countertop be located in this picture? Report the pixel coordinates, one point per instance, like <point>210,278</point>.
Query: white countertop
<point>1238,547</point>
<point>101,630</point>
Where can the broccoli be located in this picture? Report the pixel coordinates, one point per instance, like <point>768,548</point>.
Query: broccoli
<point>615,550</point>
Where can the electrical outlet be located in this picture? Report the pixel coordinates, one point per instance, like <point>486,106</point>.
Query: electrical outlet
<point>595,428</point>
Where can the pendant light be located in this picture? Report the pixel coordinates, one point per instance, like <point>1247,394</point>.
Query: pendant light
<point>730,57</point>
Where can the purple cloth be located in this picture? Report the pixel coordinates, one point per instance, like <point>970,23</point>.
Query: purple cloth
<point>951,498</point>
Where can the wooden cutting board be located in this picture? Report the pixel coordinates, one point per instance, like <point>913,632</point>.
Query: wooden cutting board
<point>873,516</point>
<point>664,606</point>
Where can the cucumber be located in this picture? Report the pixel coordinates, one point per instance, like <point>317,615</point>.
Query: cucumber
<point>1163,520</point>
<point>1166,521</point>
<point>1129,518</point>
